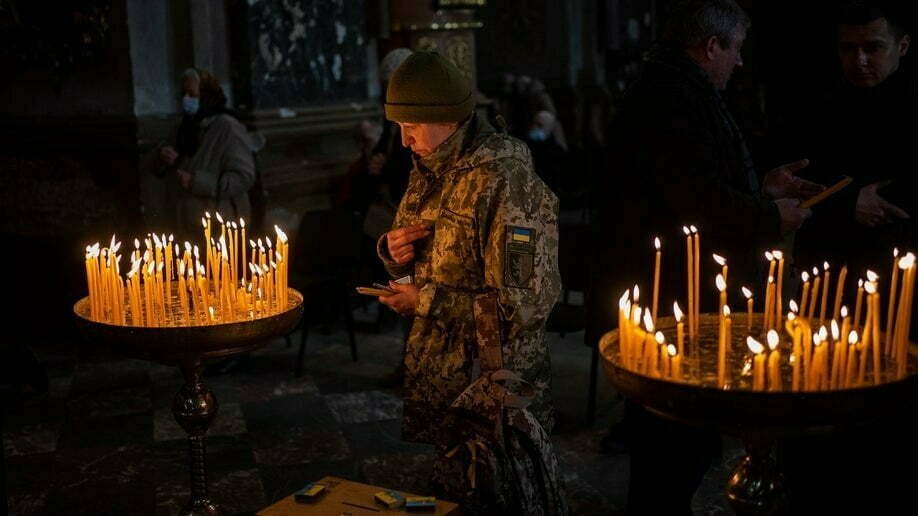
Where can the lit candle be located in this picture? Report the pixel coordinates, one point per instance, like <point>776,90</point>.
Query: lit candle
<point>720,260</point>
<point>690,285</point>
<point>825,292</point>
<point>843,347</point>
<point>816,373</point>
<point>806,291</point>
<point>721,285</point>
<point>758,363</point>
<point>722,347</point>
<point>769,304</point>
<point>840,292</point>
<point>904,318</point>
<point>656,278</point>
<point>675,363</point>
<point>815,295</point>
<point>837,346</point>
<point>243,248</point>
<point>877,345</point>
<point>697,276</point>
<point>851,362</point>
<point>624,307</point>
<point>774,362</point>
<point>748,294</point>
<point>680,333</point>
<point>650,347</point>
<point>664,355</point>
<point>857,304</point>
<point>779,300</point>
<point>891,307</point>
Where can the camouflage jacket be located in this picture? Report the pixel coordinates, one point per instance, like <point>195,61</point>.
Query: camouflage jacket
<point>495,234</point>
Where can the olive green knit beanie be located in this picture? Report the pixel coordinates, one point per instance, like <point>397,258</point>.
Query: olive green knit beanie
<point>428,88</point>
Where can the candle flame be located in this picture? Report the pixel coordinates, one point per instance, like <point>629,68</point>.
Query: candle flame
<point>685,230</point>
<point>815,272</point>
<point>835,331</point>
<point>219,218</point>
<point>207,214</point>
<point>825,266</point>
<point>693,228</point>
<point>720,282</point>
<point>778,254</point>
<point>747,292</point>
<point>242,222</point>
<point>268,242</point>
<point>171,238</point>
<point>658,336</point>
<point>677,311</point>
<point>280,234</point>
<point>895,252</point>
<point>671,350</point>
<point>769,256</point>
<point>136,244</point>
<point>791,316</point>
<point>792,359</point>
<point>872,276</point>
<point>233,225</point>
<point>860,283</point>
<point>648,321</point>
<point>754,345</point>
<point>204,222</point>
<point>624,299</point>
<point>771,279</point>
<point>157,241</point>
<point>817,339</point>
<point>844,311</point>
<point>773,339</point>
<point>187,246</point>
<point>823,332</point>
<point>726,310</point>
<point>870,287</point>
<point>852,337</point>
<point>907,261</point>
<point>804,276</point>
<point>656,243</point>
<point>719,259</point>
<point>252,244</point>
<point>636,294</point>
<point>793,306</point>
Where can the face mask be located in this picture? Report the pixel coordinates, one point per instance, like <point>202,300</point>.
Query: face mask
<point>537,134</point>
<point>190,104</point>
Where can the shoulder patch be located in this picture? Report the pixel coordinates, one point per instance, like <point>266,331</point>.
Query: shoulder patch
<point>519,256</point>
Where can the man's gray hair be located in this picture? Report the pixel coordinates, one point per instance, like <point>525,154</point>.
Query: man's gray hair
<point>691,22</point>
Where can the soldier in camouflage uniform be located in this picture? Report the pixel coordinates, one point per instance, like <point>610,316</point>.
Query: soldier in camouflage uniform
<point>475,224</point>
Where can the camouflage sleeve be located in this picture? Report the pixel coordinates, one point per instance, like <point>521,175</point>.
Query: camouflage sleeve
<point>394,269</point>
<point>518,234</point>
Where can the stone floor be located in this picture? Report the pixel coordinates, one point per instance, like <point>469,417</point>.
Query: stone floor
<point>103,440</point>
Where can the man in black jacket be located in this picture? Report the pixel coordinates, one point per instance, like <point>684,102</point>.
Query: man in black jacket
<point>677,157</point>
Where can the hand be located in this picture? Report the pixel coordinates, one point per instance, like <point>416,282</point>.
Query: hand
<point>168,155</point>
<point>792,215</point>
<point>374,167</point>
<point>873,210</point>
<point>184,178</point>
<point>404,301</point>
<point>401,242</point>
<point>782,182</point>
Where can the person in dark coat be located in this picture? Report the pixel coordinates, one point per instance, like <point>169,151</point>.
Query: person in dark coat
<point>677,157</point>
<point>867,131</point>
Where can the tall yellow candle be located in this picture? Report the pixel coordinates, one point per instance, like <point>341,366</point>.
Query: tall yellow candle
<point>758,363</point>
<point>811,312</point>
<point>858,304</point>
<point>697,263</point>
<point>656,278</point>
<point>660,365</point>
<point>825,292</point>
<point>690,285</point>
<point>891,305</point>
<point>779,300</point>
<point>774,362</point>
<point>835,352</point>
<point>720,260</point>
<point>675,365</point>
<point>851,361</point>
<point>749,305</point>
<point>243,248</point>
<point>805,276</point>
<point>680,329</point>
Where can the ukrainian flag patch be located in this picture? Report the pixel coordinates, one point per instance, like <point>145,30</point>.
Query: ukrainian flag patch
<point>523,235</point>
<point>519,252</point>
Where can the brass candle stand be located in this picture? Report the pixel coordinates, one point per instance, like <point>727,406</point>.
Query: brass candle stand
<point>758,418</point>
<point>189,347</point>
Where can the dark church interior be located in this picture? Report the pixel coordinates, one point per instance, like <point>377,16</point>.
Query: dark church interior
<point>426,179</point>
